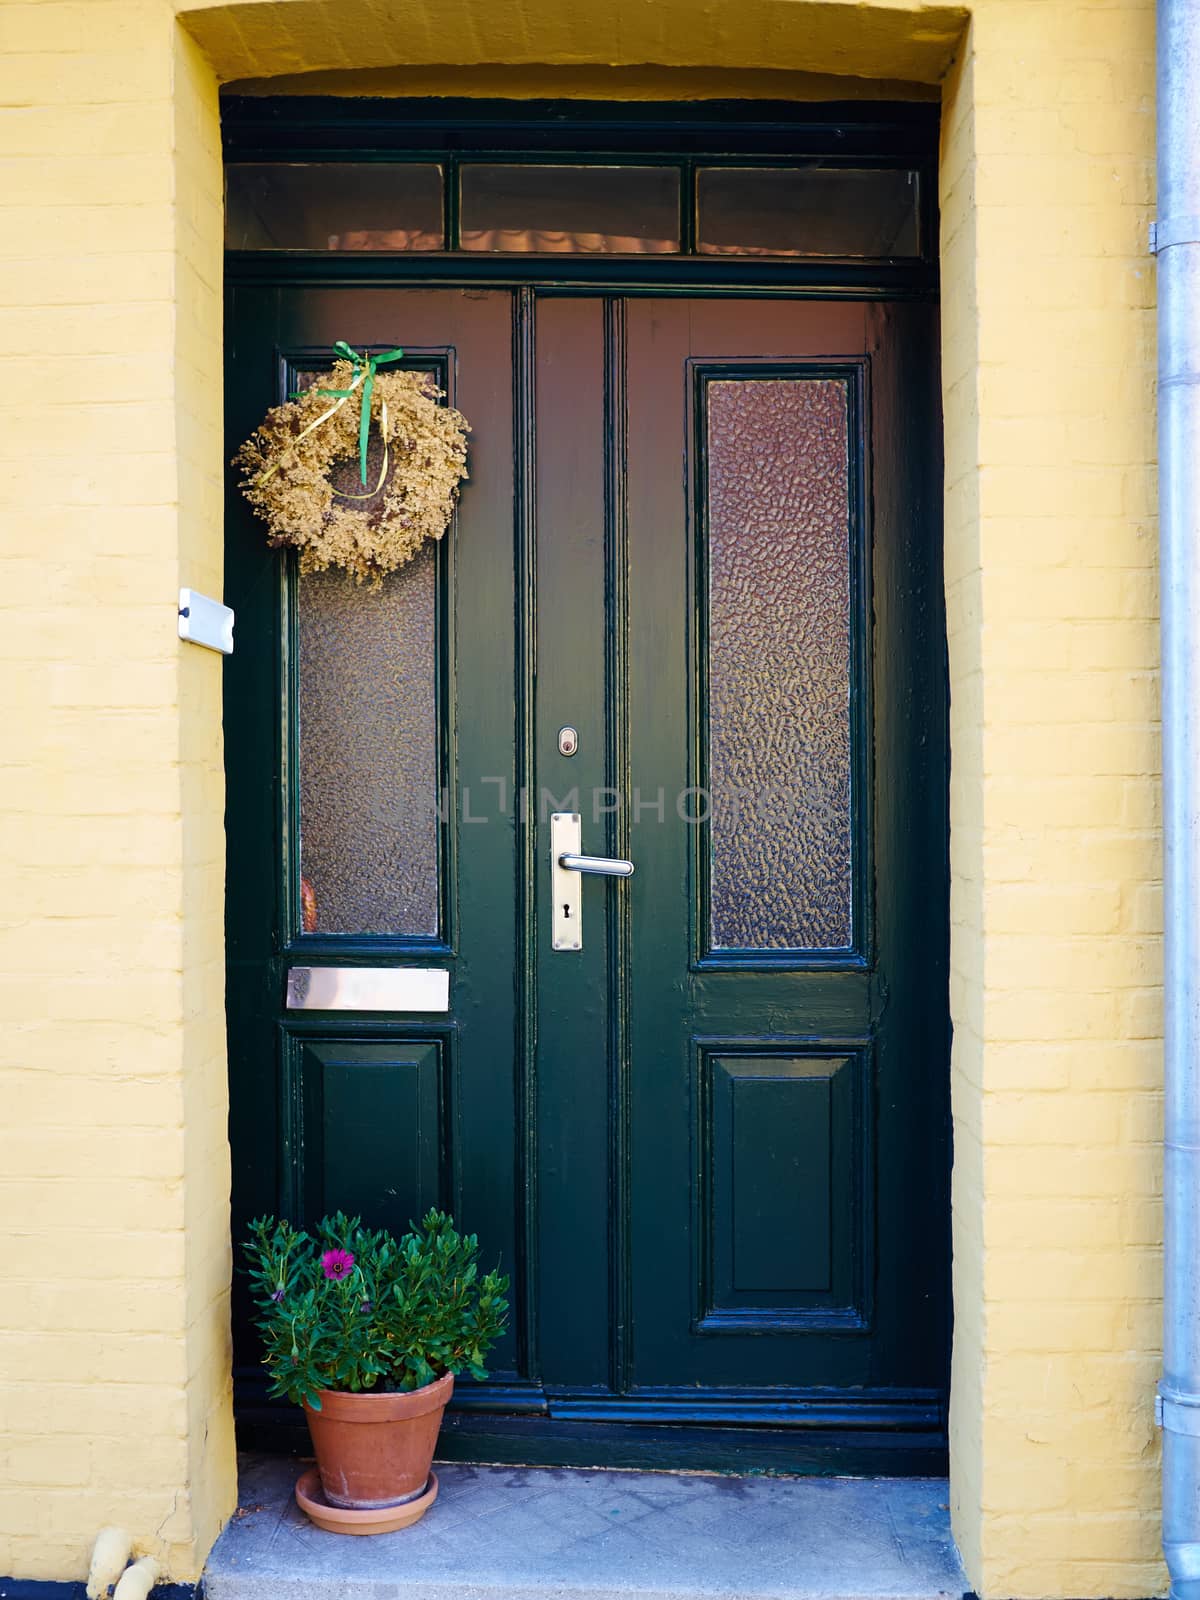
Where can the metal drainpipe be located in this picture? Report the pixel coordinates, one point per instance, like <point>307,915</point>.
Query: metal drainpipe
<point>1176,241</point>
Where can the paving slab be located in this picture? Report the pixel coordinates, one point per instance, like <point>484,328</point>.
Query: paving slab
<point>547,1533</point>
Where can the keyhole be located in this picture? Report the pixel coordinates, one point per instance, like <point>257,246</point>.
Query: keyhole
<point>566,910</point>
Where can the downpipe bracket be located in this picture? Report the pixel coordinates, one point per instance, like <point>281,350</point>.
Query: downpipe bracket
<point>1171,231</point>
<point>1177,1412</point>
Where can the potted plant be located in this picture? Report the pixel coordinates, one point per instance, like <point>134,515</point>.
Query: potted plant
<point>367,1333</point>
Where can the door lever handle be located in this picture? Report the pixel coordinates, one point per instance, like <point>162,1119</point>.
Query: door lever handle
<point>567,866</point>
<point>602,866</point>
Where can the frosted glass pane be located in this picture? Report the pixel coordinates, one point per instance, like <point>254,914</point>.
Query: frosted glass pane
<point>570,210</point>
<point>368,751</point>
<point>807,211</point>
<point>333,205</point>
<point>779,663</point>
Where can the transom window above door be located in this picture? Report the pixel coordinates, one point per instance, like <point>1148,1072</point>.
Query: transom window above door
<point>706,206</point>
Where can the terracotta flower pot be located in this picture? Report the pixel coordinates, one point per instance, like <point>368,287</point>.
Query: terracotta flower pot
<point>376,1449</point>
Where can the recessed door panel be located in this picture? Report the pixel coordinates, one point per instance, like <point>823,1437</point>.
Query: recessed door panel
<point>784,1191</point>
<point>371,1127</point>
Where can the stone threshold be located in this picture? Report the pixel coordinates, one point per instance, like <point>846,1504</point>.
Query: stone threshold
<point>553,1533</point>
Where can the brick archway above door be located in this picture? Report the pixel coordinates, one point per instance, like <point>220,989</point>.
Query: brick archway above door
<point>908,41</point>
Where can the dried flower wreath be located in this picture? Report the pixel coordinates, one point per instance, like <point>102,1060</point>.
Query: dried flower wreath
<point>288,462</point>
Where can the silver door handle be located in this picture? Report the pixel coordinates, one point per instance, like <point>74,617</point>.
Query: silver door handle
<point>602,866</point>
<point>567,866</point>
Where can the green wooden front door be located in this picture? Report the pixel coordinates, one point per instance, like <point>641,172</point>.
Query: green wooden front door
<point>710,1144</point>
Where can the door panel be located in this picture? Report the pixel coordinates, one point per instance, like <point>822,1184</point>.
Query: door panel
<point>361,728</point>
<point>829,654</point>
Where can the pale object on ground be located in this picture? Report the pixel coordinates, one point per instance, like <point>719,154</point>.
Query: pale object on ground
<point>138,1580</point>
<point>110,1554</point>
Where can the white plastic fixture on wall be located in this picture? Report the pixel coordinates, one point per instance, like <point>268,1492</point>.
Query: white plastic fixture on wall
<point>205,622</point>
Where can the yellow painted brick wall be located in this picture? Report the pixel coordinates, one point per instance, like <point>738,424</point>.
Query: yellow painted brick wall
<point>114,1361</point>
<point>113,1169</point>
<point>1051,582</point>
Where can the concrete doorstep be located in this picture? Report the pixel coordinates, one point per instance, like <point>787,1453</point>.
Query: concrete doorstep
<point>527,1533</point>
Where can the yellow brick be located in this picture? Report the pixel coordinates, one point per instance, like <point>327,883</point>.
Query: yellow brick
<point>144,478</point>
<point>44,1463</point>
<point>38,78</point>
<point>1071,855</point>
<point>1141,804</point>
<point>92,1152</point>
<point>67,26</point>
<point>1119,1064</point>
<point>1025,1066</point>
<point>1142,908</point>
<point>1075,1225</point>
<point>1067,1328</point>
<point>1141,1013</point>
<point>114,1203</point>
<point>127,326</point>
<point>1069,179</point>
<point>1029,1120</point>
<point>91,1357</point>
<point>97,427</point>
<point>1030,1384</point>
<point>1104,1537</point>
<point>1050,1013</point>
<point>1055,959</point>
<point>76,180</point>
<point>1070,800</point>
<point>92,130</point>
<point>134,894</point>
<point>148,1097</point>
<point>125,1254</point>
<point>1074,1172</point>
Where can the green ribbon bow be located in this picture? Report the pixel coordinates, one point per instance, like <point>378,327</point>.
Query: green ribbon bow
<point>364,373</point>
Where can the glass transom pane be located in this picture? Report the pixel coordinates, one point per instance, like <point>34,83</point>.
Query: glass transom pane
<point>333,206</point>
<point>807,211</point>
<point>570,209</point>
<point>778,522</point>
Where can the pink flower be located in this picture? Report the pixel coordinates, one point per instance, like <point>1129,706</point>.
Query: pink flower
<point>336,1264</point>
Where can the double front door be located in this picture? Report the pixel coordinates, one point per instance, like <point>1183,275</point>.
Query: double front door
<point>690,608</point>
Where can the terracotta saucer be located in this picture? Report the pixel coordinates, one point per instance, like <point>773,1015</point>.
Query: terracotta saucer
<point>310,1497</point>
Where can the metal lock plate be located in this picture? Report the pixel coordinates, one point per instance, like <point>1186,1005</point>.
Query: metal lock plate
<point>568,866</point>
<point>566,887</point>
<point>568,741</point>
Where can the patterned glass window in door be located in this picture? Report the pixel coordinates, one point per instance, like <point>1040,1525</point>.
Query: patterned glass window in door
<point>368,752</point>
<point>779,663</point>
<point>368,713</point>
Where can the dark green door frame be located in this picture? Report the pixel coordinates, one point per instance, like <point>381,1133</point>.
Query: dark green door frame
<point>728,1427</point>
